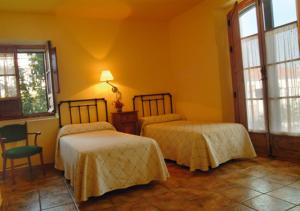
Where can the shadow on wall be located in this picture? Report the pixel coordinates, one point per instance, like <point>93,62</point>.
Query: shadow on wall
<point>221,34</point>
<point>89,46</point>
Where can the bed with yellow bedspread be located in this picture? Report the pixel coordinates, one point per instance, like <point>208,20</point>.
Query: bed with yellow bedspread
<point>97,159</point>
<point>198,146</point>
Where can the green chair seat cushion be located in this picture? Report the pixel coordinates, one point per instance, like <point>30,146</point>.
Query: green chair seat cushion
<point>21,152</point>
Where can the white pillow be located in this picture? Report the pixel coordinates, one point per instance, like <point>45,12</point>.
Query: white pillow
<point>84,127</point>
<point>144,121</point>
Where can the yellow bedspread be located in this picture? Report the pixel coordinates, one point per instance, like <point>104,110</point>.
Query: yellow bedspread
<point>200,146</point>
<point>100,161</point>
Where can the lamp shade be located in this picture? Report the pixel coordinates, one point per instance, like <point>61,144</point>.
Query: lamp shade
<point>106,76</point>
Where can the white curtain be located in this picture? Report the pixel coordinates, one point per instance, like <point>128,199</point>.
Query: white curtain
<point>253,84</point>
<point>7,76</point>
<point>284,79</point>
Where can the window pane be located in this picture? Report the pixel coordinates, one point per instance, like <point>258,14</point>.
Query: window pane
<point>8,86</point>
<point>253,83</point>
<point>255,114</point>
<point>250,52</point>
<point>284,12</point>
<point>7,63</point>
<point>252,69</point>
<point>295,117</point>
<point>32,82</point>
<point>284,80</point>
<point>248,22</point>
<point>285,116</point>
<point>278,117</point>
<point>282,44</point>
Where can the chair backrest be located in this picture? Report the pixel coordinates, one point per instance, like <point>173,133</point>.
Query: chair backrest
<point>14,133</point>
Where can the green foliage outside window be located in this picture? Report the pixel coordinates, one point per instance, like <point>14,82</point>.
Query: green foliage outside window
<point>32,83</point>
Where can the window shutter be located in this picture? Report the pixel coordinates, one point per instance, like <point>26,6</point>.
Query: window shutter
<point>49,79</point>
<point>55,70</point>
<point>237,66</point>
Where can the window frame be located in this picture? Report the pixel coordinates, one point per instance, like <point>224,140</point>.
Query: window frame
<point>46,49</point>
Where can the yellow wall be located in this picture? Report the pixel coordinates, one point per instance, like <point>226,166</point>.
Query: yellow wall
<point>200,63</point>
<point>136,53</point>
<point>187,56</point>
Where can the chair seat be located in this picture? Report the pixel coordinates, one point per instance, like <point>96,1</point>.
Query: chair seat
<point>21,152</point>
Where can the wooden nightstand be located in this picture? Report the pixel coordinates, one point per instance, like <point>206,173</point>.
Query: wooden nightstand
<point>126,122</point>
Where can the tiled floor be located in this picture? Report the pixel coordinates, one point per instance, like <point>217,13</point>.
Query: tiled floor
<point>259,184</point>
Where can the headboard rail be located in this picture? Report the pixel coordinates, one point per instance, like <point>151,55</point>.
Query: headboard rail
<point>153,104</point>
<point>78,110</point>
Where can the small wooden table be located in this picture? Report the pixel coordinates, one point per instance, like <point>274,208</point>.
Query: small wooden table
<point>126,122</point>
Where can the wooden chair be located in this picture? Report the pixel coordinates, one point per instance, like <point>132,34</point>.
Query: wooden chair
<point>16,133</point>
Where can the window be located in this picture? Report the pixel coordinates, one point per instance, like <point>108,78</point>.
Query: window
<point>252,69</point>
<point>8,78</point>
<point>283,67</point>
<point>26,82</point>
<point>265,37</point>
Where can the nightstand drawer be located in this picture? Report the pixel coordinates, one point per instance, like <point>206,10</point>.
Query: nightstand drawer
<point>129,128</point>
<point>126,122</point>
<point>130,117</point>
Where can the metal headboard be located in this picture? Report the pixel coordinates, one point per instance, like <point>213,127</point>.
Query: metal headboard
<point>153,104</point>
<point>88,109</point>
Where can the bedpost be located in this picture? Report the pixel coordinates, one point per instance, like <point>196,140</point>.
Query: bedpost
<point>106,115</point>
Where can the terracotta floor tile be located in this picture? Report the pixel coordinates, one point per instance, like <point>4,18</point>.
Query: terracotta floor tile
<point>235,176</point>
<point>142,205</point>
<point>192,194</point>
<point>174,182</point>
<point>235,165</point>
<point>223,170</point>
<point>237,207</point>
<point>23,199</point>
<point>268,203</point>
<point>22,187</point>
<point>153,190</point>
<point>97,203</point>
<point>170,195</point>
<point>124,198</point>
<point>289,194</point>
<point>243,181</point>
<point>67,207</point>
<point>175,204</point>
<point>281,163</point>
<point>246,163</point>
<point>293,170</point>
<point>281,178</point>
<point>214,201</point>
<point>297,208</point>
<point>217,185</point>
<point>261,185</point>
<point>17,207</point>
<point>197,181</point>
<point>239,193</point>
<point>55,199</point>
<point>257,171</point>
<point>55,187</point>
<point>295,185</point>
<point>222,188</point>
